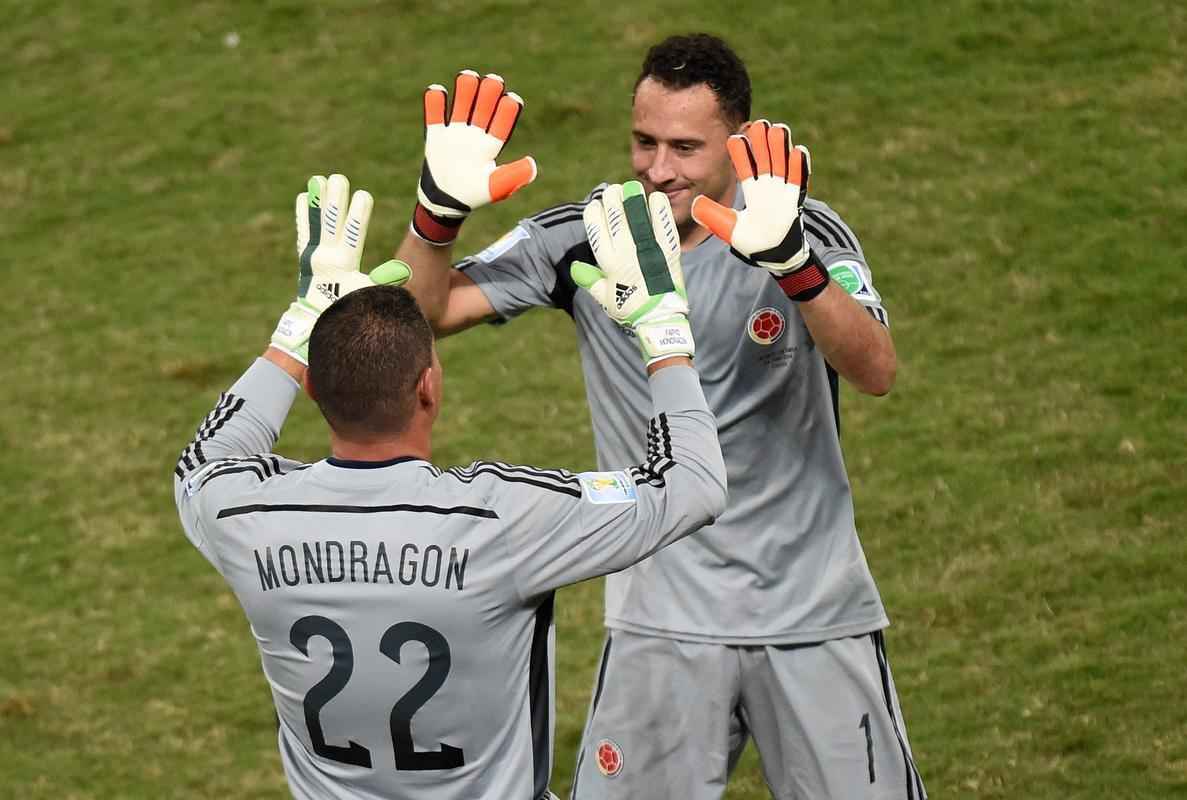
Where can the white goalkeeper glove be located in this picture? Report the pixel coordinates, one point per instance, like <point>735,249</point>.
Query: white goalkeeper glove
<point>639,284</point>
<point>330,240</point>
<point>769,232</point>
<point>459,172</point>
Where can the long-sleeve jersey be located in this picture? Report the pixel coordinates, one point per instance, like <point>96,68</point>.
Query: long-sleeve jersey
<point>783,564</point>
<point>403,612</point>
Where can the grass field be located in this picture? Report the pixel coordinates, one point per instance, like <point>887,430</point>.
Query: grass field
<point>1017,173</point>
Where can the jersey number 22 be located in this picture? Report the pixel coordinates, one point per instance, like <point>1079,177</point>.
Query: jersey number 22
<point>390,643</point>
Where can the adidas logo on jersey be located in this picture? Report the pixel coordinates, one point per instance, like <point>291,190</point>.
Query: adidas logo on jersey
<point>329,290</point>
<point>622,293</point>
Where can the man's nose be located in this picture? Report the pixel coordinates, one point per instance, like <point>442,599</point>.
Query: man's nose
<point>660,171</point>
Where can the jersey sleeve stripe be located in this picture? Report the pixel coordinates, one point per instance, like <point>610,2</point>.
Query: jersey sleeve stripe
<point>659,454</point>
<point>227,406</point>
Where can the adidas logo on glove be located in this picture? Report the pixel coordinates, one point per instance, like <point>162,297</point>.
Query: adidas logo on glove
<point>622,293</point>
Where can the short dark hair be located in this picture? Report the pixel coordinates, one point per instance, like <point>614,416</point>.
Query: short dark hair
<point>679,62</point>
<point>366,354</point>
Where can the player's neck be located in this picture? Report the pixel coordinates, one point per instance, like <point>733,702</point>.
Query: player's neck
<point>411,443</point>
<point>692,235</point>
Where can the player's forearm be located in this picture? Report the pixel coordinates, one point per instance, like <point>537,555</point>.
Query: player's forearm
<point>294,368</point>
<point>664,363</point>
<point>684,458</point>
<point>856,345</point>
<point>431,266</point>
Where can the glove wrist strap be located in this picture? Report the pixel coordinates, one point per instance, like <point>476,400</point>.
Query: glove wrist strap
<point>804,283</point>
<point>665,338</point>
<point>433,228</point>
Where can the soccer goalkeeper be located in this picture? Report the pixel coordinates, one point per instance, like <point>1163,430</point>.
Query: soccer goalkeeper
<point>403,612</point>
<point>769,624</point>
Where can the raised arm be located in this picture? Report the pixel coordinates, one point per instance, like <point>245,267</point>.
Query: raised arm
<point>458,176</point>
<point>620,517</point>
<point>769,233</point>
<point>237,436</point>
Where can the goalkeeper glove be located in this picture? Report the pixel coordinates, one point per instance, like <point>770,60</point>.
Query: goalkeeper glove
<point>459,172</point>
<point>330,240</point>
<point>769,232</point>
<point>640,284</point>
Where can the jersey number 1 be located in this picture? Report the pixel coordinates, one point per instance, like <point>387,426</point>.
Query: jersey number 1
<point>393,639</point>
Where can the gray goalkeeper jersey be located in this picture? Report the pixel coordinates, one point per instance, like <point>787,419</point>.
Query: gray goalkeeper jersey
<point>403,613</point>
<point>783,564</point>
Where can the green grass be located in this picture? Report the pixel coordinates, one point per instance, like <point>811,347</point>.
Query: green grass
<point>1017,174</point>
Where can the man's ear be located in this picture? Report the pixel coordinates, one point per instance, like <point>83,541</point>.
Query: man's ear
<point>307,383</point>
<point>427,390</point>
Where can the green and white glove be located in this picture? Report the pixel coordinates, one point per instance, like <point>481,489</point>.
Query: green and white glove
<point>330,241</point>
<point>639,284</point>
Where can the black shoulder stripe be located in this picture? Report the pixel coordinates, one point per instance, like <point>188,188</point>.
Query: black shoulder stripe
<point>468,477</point>
<point>562,478</point>
<point>576,216</point>
<point>878,313</point>
<point>819,234</point>
<point>835,226</point>
<point>558,474</point>
<point>556,211</point>
<point>546,217</point>
<point>269,464</point>
<point>218,473</point>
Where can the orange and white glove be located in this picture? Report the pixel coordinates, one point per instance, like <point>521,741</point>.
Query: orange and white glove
<point>769,232</point>
<point>459,172</point>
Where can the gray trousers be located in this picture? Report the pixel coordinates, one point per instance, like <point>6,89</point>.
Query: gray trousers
<point>669,719</point>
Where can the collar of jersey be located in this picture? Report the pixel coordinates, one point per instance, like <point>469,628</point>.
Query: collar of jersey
<point>346,463</point>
